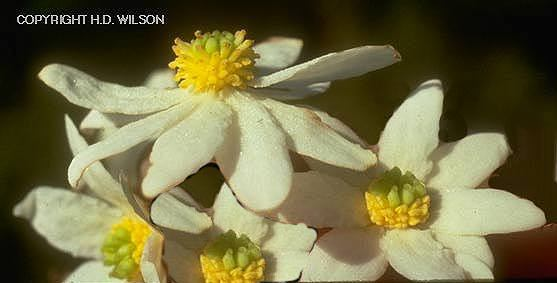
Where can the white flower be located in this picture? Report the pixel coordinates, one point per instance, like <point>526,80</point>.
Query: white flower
<point>224,113</point>
<point>82,223</point>
<point>277,251</point>
<point>428,223</point>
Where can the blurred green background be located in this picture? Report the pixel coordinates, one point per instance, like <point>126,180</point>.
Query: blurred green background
<point>497,61</point>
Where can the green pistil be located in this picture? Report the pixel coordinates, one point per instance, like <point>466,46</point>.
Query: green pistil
<point>214,41</point>
<point>117,251</point>
<point>398,188</point>
<point>232,250</point>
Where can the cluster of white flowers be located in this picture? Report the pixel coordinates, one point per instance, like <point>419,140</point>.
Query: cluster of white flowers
<point>412,202</point>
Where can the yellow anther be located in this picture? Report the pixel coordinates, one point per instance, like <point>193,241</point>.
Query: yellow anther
<point>214,271</point>
<point>402,216</point>
<point>214,61</point>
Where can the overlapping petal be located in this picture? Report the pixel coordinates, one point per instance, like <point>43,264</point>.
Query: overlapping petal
<point>151,266</point>
<point>475,246</point>
<point>169,211</point>
<point>276,53</point>
<point>92,271</point>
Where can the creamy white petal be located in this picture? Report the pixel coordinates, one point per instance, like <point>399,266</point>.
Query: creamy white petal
<point>292,92</point>
<point>346,255</point>
<point>184,149</point>
<point>467,162</point>
<point>127,137</point>
<point>476,246</point>
<point>360,179</point>
<point>86,91</point>
<point>98,180</point>
<point>339,127</point>
<point>285,249</point>
<point>411,134</point>
<point>161,78</point>
<point>183,264</point>
<point>276,53</point>
<point>474,268</point>
<point>95,120</point>
<point>230,215</point>
<point>309,136</point>
<point>322,201</point>
<point>485,211</point>
<point>254,158</point>
<point>417,256</point>
<point>151,265</point>
<point>93,271</point>
<point>170,212</point>
<point>333,66</point>
<point>74,223</point>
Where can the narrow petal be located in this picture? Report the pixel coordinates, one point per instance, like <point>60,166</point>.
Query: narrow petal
<point>86,91</point>
<point>411,134</point>
<point>346,255</point>
<point>106,123</point>
<point>360,179</point>
<point>125,138</point>
<point>475,269</point>
<point>92,271</point>
<point>161,78</point>
<point>333,66</point>
<point>276,53</point>
<point>74,223</point>
<point>417,256</point>
<point>98,180</point>
<point>254,158</point>
<point>485,211</point>
<point>230,215</point>
<point>476,246</point>
<point>184,149</point>
<point>340,127</point>
<point>285,249</point>
<point>322,201</point>
<point>308,135</point>
<point>467,162</point>
<point>292,92</point>
<point>170,212</point>
<point>151,265</point>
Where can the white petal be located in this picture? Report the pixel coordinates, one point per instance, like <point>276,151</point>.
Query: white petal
<point>292,92</point>
<point>475,268</point>
<point>340,127</point>
<point>168,211</point>
<point>183,264</point>
<point>333,66</point>
<point>254,157</point>
<point>125,138</point>
<point>161,78</point>
<point>471,245</point>
<point>98,180</point>
<point>346,255</point>
<point>230,215</point>
<point>309,136</point>
<point>276,53</point>
<point>411,134</point>
<point>86,91</point>
<point>467,162</point>
<point>151,265</point>
<point>485,211</point>
<point>285,249</point>
<point>360,179</point>
<point>183,149</point>
<point>322,201</point>
<point>74,223</point>
<point>417,256</point>
<point>93,271</point>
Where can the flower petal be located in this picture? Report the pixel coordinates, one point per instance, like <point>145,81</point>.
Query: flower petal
<point>475,268</point>
<point>340,127</point>
<point>309,136</point>
<point>161,78</point>
<point>127,137</point>
<point>183,264</point>
<point>254,157</point>
<point>170,212</point>
<point>74,223</point>
<point>92,271</point>
<point>98,180</point>
<point>151,265</point>
<point>322,201</point>
<point>285,249</point>
<point>417,256</point>
<point>411,134</point>
<point>467,162</point>
<point>292,92</point>
<point>333,66</point>
<point>86,91</point>
<point>471,245</point>
<point>346,255</point>
<point>184,149</point>
<point>485,211</point>
<point>276,53</point>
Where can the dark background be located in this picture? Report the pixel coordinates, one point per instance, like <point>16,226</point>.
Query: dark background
<point>497,60</point>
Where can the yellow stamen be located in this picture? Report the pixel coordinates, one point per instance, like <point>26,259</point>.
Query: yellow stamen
<point>214,61</point>
<point>214,271</point>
